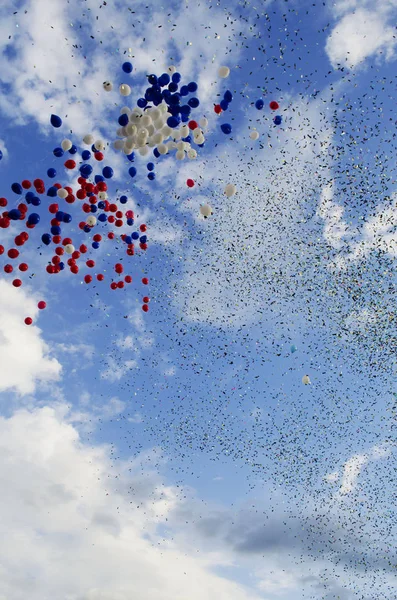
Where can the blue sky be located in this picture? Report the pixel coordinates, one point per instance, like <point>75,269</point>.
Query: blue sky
<point>177,454</point>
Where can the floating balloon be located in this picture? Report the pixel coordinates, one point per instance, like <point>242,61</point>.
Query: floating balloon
<point>107,86</point>
<point>306,380</point>
<point>254,135</point>
<point>293,348</point>
<point>127,67</point>
<point>259,104</point>
<point>206,210</point>
<point>41,305</point>
<point>56,121</point>
<point>223,72</point>
<point>230,190</point>
<point>28,320</point>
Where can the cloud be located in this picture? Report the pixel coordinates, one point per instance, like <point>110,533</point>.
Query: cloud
<point>73,526</point>
<point>361,34</point>
<point>24,357</point>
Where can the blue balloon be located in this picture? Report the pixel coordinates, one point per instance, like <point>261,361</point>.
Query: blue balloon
<point>131,156</point>
<point>152,79</point>
<point>94,208</point>
<point>143,239</point>
<point>164,79</point>
<point>103,218</point>
<point>98,178</point>
<point>127,67</point>
<point>176,77</point>
<point>132,171</point>
<point>93,149</point>
<point>193,102</point>
<point>58,152</point>
<point>224,104</point>
<point>187,139</point>
<point>59,215</point>
<point>46,239</point>
<point>277,120</point>
<point>86,155</point>
<point>95,245</point>
<point>14,214</point>
<point>185,118</point>
<point>73,149</point>
<point>173,121</point>
<point>33,218</point>
<point>101,204</point>
<point>293,348</point>
<point>174,110</point>
<point>123,199</point>
<point>30,195</point>
<point>55,121</point>
<point>185,109</point>
<point>174,99</point>
<point>1,155</point>
<point>150,166</point>
<point>67,218</point>
<point>52,192</point>
<point>156,153</point>
<point>228,96</point>
<point>128,239</point>
<point>130,221</point>
<point>17,188</point>
<point>107,172</point>
<point>226,128</point>
<point>184,90</point>
<point>123,120</point>
<point>36,201</point>
<point>135,235</point>
<point>151,176</point>
<point>192,86</point>
<point>51,173</point>
<point>61,265</point>
<point>173,87</point>
<point>142,102</point>
<point>86,228</point>
<point>259,104</point>
<point>55,230</point>
<point>86,170</point>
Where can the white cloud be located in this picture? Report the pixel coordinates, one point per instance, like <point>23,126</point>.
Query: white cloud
<point>355,464</point>
<point>70,530</point>
<point>24,356</point>
<point>361,34</point>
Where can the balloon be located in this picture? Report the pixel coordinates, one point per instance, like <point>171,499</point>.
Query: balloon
<point>33,218</point>
<point>88,139</point>
<point>224,104</point>
<point>127,67</point>
<point>69,249</point>
<point>70,164</point>
<point>274,105</point>
<point>46,239</point>
<point>254,135</point>
<point>107,172</point>
<point>125,89</point>
<point>306,380</point>
<point>41,305</point>
<point>107,86</point>
<point>206,210</point>
<point>66,145</point>
<point>145,281</point>
<point>62,193</point>
<point>230,190</point>
<point>1,155</point>
<point>28,321</point>
<point>17,283</point>
<point>17,188</point>
<point>145,308</point>
<point>226,128</point>
<point>100,145</point>
<point>14,214</point>
<point>277,120</point>
<point>223,72</point>
<point>193,102</point>
<point>91,221</point>
<point>259,104</point>
<point>293,348</point>
<point>228,96</point>
<point>51,173</point>
<point>132,171</point>
<point>190,183</point>
<point>55,121</point>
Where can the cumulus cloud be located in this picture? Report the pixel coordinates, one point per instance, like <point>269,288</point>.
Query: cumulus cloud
<point>24,356</point>
<point>70,529</point>
<point>362,33</point>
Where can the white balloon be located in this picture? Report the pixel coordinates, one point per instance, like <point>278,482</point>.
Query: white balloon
<point>254,135</point>
<point>197,132</point>
<point>125,111</point>
<point>180,155</point>
<point>102,196</point>
<point>171,145</point>
<point>137,111</point>
<point>118,144</point>
<point>107,86</point>
<point>150,129</point>
<point>230,190</point>
<point>206,210</point>
<point>162,148</point>
<point>176,135</point>
<point>184,131</point>
<point>199,139</point>
<point>121,132</point>
<point>91,220</point>
<point>66,145</point>
<point>159,123</point>
<point>143,151</point>
<point>125,89</point>
<point>163,107</point>
<point>100,145</point>
<point>131,129</point>
<point>192,154</point>
<point>62,193</point>
<point>88,139</point>
<point>166,131</point>
<point>69,248</point>
<point>180,145</point>
<point>306,380</point>
<point>155,114</point>
<point>203,122</point>
<point>146,120</point>
<point>223,72</point>
<point>158,138</point>
<point>171,69</point>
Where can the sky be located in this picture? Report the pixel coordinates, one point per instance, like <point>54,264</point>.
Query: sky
<point>177,453</point>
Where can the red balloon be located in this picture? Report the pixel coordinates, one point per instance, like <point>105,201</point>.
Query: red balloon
<point>90,263</point>
<point>53,208</point>
<point>190,183</point>
<point>83,248</point>
<point>86,208</point>
<point>76,254</point>
<point>128,279</point>
<point>111,219</point>
<point>22,207</point>
<point>92,199</point>
<point>23,267</point>
<point>146,299</point>
<point>57,185</point>
<point>119,214</point>
<point>17,283</point>
<point>100,277</point>
<point>192,125</point>
<point>118,223</point>
<point>19,241</point>
<point>70,164</point>
<point>87,278</point>
<point>274,105</point>
<point>60,251</point>
<point>55,260</point>
<point>130,214</point>
<point>26,184</point>
<point>4,222</point>
<point>145,280</point>
<point>24,235</point>
<point>41,305</point>
<point>113,285</point>
<point>50,269</point>
<point>102,186</point>
<point>120,284</point>
<point>143,246</point>
<point>81,194</point>
<point>218,109</point>
<point>1,249</point>
<point>98,156</point>
<point>113,207</point>
<point>38,183</point>
<point>111,235</point>
<point>56,239</point>
<point>97,237</point>
<point>3,202</point>
<point>66,241</point>
<point>89,188</point>
<point>28,321</point>
<point>8,268</point>
<point>145,307</point>
<point>70,199</point>
<point>74,269</point>
<point>13,253</point>
<point>118,267</point>
<point>130,251</point>
<point>143,227</point>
